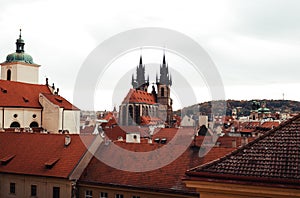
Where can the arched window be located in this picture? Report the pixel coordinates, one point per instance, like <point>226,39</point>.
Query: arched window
<point>130,117</point>
<point>15,125</point>
<point>8,76</point>
<point>124,112</point>
<point>162,92</point>
<point>34,124</point>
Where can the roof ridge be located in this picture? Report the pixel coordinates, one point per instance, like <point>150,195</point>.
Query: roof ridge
<point>209,164</point>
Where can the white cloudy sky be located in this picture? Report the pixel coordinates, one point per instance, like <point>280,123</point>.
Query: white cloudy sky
<point>254,44</point>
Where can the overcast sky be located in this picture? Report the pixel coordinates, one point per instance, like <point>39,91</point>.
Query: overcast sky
<point>254,44</point>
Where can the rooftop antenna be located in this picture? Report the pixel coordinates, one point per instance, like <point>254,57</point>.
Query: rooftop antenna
<point>282,96</point>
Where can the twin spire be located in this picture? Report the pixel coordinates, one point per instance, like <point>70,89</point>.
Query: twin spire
<point>141,83</point>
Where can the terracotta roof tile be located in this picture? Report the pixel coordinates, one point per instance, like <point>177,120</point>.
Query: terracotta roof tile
<point>138,96</point>
<point>165,178</point>
<point>60,101</point>
<point>18,94</point>
<point>273,157</point>
<point>40,154</point>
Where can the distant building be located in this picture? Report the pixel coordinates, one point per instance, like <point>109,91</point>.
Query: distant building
<point>266,167</point>
<point>28,106</point>
<point>142,108</point>
<point>187,121</point>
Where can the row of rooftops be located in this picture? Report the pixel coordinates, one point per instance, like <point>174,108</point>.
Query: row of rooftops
<point>273,157</point>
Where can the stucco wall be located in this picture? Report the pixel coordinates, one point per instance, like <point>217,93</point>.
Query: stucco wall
<point>21,72</point>
<point>24,116</point>
<point>72,121</point>
<point>23,186</point>
<point>50,115</point>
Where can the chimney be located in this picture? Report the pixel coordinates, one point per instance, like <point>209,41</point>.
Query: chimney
<point>244,141</point>
<point>234,143</point>
<point>67,140</point>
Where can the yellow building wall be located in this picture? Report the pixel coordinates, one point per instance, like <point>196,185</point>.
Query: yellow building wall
<point>128,193</point>
<point>23,186</point>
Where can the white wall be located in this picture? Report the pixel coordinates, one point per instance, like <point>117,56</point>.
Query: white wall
<point>187,121</point>
<point>21,72</point>
<point>50,114</point>
<point>71,121</point>
<point>24,116</point>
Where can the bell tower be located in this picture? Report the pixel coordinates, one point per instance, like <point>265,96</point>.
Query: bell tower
<point>19,66</point>
<point>164,83</point>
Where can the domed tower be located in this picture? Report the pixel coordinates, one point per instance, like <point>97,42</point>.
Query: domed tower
<point>19,66</point>
<point>164,84</point>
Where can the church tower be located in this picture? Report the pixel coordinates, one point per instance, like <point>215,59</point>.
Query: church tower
<point>140,83</point>
<point>164,83</point>
<point>19,66</point>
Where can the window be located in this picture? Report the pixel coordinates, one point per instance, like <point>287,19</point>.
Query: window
<point>56,192</point>
<point>103,195</point>
<point>8,74</point>
<point>119,196</point>
<point>12,188</point>
<point>135,196</point>
<point>88,194</point>
<point>15,125</point>
<point>162,92</point>
<point>34,124</point>
<point>33,190</point>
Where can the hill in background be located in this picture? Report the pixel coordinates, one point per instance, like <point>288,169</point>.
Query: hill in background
<point>244,106</point>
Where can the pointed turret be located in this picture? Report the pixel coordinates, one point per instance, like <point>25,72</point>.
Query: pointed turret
<point>164,73</point>
<point>140,82</point>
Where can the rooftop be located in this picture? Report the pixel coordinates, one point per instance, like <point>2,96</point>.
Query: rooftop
<point>41,154</point>
<point>270,159</point>
<point>138,96</point>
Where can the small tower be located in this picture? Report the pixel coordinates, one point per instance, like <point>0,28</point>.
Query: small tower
<point>164,84</point>
<point>140,83</point>
<point>19,66</point>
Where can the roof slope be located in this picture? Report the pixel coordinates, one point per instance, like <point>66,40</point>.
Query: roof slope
<point>167,178</point>
<point>274,158</point>
<point>60,101</point>
<point>18,94</point>
<point>31,153</point>
<point>138,96</point>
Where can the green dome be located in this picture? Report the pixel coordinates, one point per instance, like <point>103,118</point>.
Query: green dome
<point>19,57</point>
<point>264,110</point>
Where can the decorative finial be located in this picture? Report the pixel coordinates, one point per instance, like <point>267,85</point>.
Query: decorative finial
<point>20,36</point>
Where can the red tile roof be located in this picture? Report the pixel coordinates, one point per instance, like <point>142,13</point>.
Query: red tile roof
<point>271,159</point>
<point>138,96</point>
<point>18,94</point>
<point>167,178</point>
<point>147,120</point>
<point>87,129</point>
<point>40,154</point>
<point>60,101</point>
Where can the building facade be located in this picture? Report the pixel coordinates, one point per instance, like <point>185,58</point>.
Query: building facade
<point>28,106</point>
<point>140,107</point>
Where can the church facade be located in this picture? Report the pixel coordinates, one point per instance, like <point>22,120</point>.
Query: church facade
<point>142,108</point>
<point>28,106</point>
